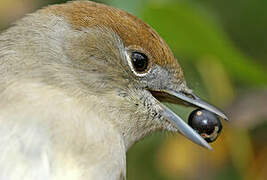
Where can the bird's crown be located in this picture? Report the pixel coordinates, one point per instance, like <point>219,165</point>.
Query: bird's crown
<point>133,32</point>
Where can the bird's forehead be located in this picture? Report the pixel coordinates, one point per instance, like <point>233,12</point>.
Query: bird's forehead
<point>130,29</point>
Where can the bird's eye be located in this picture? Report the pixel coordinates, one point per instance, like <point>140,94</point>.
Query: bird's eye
<point>139,61</point>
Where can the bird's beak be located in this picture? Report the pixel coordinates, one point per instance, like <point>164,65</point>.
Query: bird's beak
<point>187,99</point>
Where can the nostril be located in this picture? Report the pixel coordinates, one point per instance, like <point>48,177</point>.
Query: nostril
<point>192,96</point>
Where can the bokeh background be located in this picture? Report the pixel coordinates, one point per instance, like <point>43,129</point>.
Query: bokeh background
<point>222,47</point>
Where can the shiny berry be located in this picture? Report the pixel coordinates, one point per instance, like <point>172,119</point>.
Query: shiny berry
<point>206,124</point>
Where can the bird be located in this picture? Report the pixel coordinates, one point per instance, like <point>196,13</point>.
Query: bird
<point>80,83</point>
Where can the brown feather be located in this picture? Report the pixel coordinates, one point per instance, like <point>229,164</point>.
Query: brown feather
<point>132,31</point>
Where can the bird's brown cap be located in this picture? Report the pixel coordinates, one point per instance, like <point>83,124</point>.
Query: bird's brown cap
<point>132,31</point>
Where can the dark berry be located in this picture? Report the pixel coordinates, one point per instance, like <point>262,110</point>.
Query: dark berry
<point>206,124</point>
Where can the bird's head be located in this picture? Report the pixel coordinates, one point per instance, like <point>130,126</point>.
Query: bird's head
<point>122,60</point>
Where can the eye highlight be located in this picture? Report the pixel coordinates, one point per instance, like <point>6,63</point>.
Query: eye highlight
<point>140,61</point>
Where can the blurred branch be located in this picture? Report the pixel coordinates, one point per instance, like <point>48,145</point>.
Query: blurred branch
<point>249,110</point>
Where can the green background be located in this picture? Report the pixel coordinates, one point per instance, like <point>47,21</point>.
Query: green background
<point>222,47</point>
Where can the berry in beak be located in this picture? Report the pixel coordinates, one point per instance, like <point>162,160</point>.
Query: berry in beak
<point>194,131</point>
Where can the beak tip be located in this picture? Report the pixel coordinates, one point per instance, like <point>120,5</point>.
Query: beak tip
<point>210,148</point>
<point>205,144</point>
<point>225,117</point>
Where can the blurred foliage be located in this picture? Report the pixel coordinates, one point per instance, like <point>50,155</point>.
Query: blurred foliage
<point>190,28</point>
<point>245,22</point>
<point>222,47</point>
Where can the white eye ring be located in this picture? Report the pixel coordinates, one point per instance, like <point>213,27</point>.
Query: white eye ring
<point>129,61</point>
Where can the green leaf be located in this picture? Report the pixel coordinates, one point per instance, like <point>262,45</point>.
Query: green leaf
<point>192,34</point>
